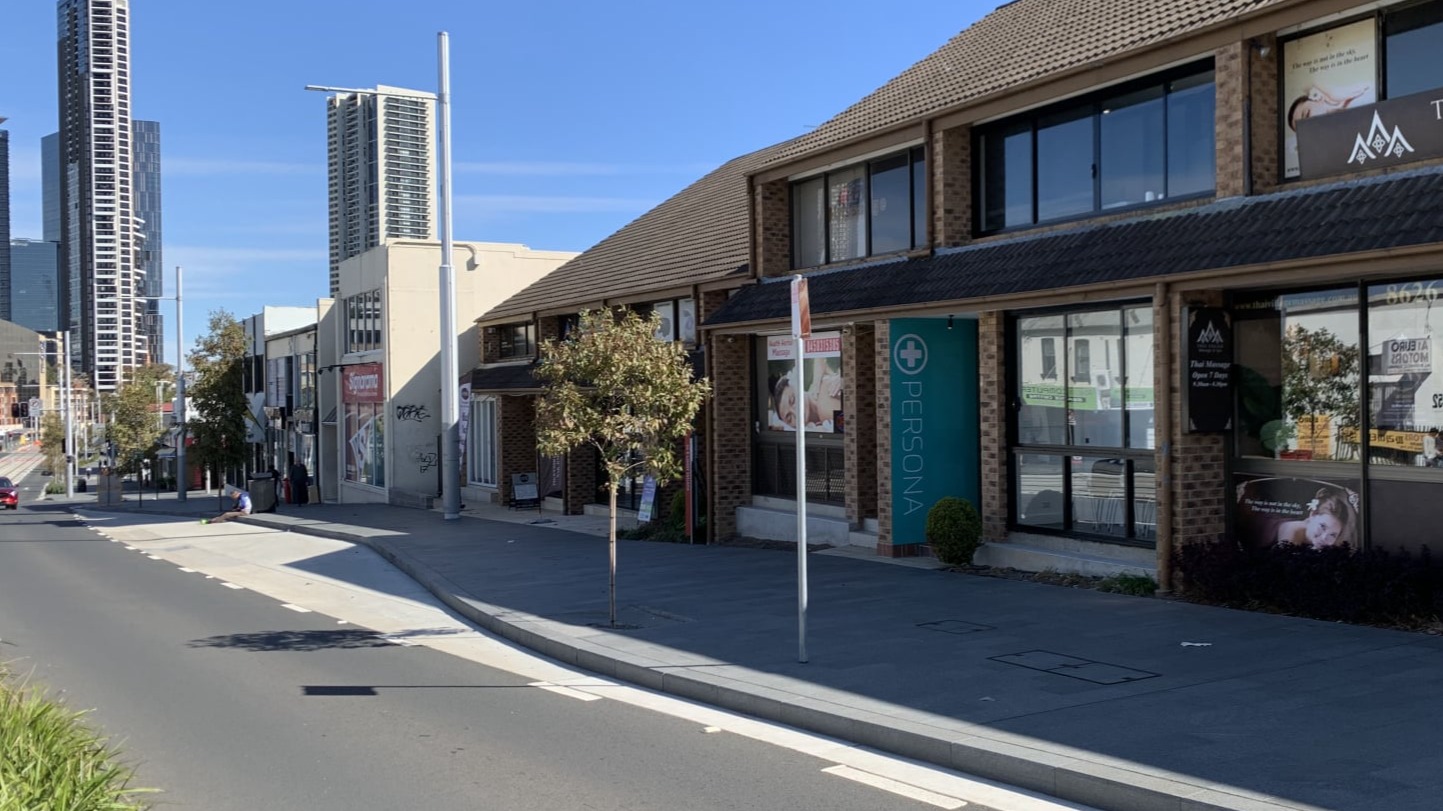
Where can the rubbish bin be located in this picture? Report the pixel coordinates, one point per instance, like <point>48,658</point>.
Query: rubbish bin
<point>263,494</point>
<point>80,485</point>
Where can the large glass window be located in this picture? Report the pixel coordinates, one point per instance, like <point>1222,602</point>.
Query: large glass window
<point>1143,143</point>
<point>819,408</point>
<point>1082,460</point>
<point>516,340</point>
<point>875,207</point>
<point>1414,60</point>
<point>481,444</point>
<point>363,321</point>
<point>1405,383</point>
<point>1299,383</point>
<point>365,431</point>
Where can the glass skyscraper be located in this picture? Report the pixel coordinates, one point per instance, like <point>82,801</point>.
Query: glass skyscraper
<point>34,284</point>
<point>145,142</point>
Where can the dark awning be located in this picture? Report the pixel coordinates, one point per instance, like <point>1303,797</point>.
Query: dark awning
<point>512,377</point>
<point>1354,216</point>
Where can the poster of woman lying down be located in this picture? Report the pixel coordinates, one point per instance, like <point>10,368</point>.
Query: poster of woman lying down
<point>1301,512</point>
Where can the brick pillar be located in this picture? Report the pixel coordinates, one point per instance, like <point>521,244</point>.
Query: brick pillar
<point>1230,62</point>
<point>490,345</point>
<point>730,479</point>
<point>859,437</point>
<point>992,400</point>
<point>548,329</point>
<point>581,481</point>
<point>1200,488</point>
<point>882,375</point>
<point>951,178</point>
<point>1267,166</point>
<point>517,433</point>
<point>771,206</point>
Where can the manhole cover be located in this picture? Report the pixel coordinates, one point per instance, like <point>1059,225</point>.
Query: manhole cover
<point>1073,667</point>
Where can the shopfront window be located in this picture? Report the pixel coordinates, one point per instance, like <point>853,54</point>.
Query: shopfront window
<point>1405,383</point>
<point>1082,460</point>
<point>1299,377</point>
<point>818,408</point>
<point>363,399</point>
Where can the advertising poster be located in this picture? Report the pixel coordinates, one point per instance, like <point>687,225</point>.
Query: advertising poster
<point>1209,370</point>
<point>1323,73</point>
<point>935,425</point>
<point>821,401</point>
<point>463,420</point>
<point>1302,512</point>
<point>363,399</point>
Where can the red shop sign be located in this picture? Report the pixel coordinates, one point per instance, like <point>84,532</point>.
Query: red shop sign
<point>362,384</point>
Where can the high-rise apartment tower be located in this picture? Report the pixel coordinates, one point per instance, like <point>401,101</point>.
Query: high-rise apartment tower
<point>382,170</point>
<point>146,179</point>
<point>100,282</point>
<point>5,309</point>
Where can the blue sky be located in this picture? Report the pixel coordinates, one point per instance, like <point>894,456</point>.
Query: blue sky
<point>569,118</point>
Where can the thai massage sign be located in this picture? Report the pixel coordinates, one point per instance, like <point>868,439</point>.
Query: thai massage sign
<point>1209,369</point>
<point>1388,133</point>
<point>935,429</point>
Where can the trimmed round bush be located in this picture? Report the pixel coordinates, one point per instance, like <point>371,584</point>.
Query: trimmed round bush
<point>954,530</point>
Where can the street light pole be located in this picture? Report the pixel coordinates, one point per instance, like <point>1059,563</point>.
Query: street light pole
<point>450,371</point>
<point>69,416</point>
<point>181,480</point>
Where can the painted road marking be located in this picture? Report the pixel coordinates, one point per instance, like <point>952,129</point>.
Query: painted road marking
<point>186,570</point>
<point>895,787</point>
<point>296,608</point>
<point>232,586</point>
<point>564,691</point>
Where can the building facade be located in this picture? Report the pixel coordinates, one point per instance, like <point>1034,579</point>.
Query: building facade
<point>266,407</point>
<point>1129,284</point>
<point>101,284</point>
<point>381,170</point>
<point>34,284</point>
<point>145,140</point>
<point>290,400</point>
<point>381,441</point>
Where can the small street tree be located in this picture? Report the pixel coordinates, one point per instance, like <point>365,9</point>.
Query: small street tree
<point>135,427</point>
<point>218,396</point>
<point>52,442</point>
<point>617,388</point>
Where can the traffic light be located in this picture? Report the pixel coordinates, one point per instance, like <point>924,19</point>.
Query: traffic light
<point>24,408</point>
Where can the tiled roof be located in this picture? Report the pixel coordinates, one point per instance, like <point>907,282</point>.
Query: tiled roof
<point>698,235</point>
<point>1017,43</point>
<point>1354,216</point>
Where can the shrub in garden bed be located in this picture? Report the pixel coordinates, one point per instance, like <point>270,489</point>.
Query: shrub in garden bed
<point>50,760</point>
<point>1374,587</point>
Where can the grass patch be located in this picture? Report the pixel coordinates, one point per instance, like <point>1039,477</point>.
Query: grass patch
<point>50,761</point>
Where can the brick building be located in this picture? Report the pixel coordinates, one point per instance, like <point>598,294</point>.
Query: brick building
<point>1125,280</point>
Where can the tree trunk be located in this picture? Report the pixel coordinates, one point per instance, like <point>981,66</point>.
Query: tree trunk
<point>611,537</point>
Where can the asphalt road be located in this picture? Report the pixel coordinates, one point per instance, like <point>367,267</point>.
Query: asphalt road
<point>227,699</point>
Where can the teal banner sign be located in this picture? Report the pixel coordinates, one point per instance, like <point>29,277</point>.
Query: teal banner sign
<point>935,442</point>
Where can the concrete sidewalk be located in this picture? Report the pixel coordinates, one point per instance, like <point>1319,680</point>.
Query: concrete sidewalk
<point>1113,701</point>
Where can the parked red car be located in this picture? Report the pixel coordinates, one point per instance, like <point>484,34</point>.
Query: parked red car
<point>9,495</point>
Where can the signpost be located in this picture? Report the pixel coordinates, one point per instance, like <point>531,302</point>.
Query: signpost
<point>801,331</point>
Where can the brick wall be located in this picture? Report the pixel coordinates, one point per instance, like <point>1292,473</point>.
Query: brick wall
<point>993,412</point>
<point>773,228</point>
<point>548,329</point>
<point>1230,61</point>
<point>1267,164</point>
<point>730,474</point>
<point>951,171</point>
<point>882,375</point>
<point>581,481</point>
<point>859,438</point>
<point>1198,461</point>
<point>490,345</point>
<point>517,432</point>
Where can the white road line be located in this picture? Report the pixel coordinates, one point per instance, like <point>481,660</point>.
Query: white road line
<point>131,549</point>
<point>152,557</point>
<point>186,570</point>
<point>564,691</point>
<point>895,787</point>
<point>296,608</point>
<point>232,586</point>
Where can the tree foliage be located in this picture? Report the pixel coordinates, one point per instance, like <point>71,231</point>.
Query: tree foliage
<point>52,441</point>
<point>1320,379</point>
<point>617,388</point>
<point>217,399</point>
<point>135,425</point>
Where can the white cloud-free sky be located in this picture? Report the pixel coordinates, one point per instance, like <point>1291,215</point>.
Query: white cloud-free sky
<point>570,118</point>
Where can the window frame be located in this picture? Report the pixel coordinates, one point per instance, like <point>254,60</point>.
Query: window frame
<point>916,157</point>
<point>1031,123</point>
<point>482,441</point>
<point>507,347</point>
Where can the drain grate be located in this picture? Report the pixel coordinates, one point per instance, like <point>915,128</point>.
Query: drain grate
<point>954,627</point>
<point>1074,668</point>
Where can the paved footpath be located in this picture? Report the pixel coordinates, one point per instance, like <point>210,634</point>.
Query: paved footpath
<point>1119,702</point>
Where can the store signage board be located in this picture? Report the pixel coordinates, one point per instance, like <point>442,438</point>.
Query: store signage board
<point>1208,370</point>
<point>1389,133</point>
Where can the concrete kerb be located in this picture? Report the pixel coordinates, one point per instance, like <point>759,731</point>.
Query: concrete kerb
<point>1071,775</point>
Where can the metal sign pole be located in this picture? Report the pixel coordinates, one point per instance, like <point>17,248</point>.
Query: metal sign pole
<point>801,330</point>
